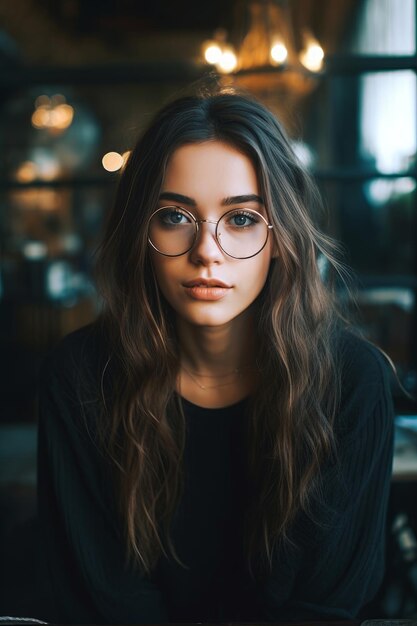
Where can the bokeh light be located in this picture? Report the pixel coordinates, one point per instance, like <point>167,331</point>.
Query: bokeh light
<point>112,161</point>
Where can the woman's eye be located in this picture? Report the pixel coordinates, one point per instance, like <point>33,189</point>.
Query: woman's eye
<point>174,217</point>
<point>242,219</point>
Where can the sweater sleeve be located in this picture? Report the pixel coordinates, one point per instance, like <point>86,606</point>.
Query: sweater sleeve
<point>83,550</point>
<point>339,563</point>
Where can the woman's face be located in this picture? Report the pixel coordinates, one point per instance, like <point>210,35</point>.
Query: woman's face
<point>207,179</point>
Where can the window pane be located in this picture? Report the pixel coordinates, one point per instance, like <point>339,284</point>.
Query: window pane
<point>385,27</point>
<point>388,120</point>
<point>363,122</point>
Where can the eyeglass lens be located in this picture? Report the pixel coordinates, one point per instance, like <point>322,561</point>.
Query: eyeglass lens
<point>241,233</point>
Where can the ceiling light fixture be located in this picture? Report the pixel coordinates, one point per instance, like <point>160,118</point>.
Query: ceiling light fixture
<point>268,47</point>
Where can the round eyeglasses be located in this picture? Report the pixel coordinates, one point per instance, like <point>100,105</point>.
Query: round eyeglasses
<point>240,233</point>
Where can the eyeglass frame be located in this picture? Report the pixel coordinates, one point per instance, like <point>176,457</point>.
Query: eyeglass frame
<point>197,229</point>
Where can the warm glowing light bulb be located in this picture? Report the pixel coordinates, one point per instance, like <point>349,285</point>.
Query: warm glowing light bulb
<point>39,117</point>
<point>228,61</point>
<point>26,172</point>
<point>279,52</point>
<point>112,161</point>
<point>312,56</point>
<point>212,53</point>
<point>62,116</point>
<point>53,117</point>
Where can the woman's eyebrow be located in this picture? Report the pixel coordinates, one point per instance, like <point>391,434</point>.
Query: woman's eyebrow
<point>250,197</point>
<point>177,197</point>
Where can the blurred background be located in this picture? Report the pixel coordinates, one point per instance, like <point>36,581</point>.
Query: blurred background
<point>79,79</point>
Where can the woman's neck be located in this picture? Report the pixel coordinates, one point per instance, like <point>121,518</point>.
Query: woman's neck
<point>217,350</point>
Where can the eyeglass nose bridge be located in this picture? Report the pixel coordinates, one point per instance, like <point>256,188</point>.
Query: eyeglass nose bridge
<point>207,222</point>
<point>198,222</point>
<point>215,234</point>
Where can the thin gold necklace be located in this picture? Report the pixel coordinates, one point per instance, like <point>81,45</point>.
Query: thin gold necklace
<point>237,371</point>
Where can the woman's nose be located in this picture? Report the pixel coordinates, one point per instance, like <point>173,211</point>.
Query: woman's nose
<point>206,248</point>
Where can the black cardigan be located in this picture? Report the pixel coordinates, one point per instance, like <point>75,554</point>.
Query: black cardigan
<point>335,570</point>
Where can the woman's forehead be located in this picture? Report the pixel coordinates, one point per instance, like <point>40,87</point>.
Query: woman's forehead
<point>211,169</point>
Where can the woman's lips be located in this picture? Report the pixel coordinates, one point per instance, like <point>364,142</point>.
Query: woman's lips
<point>202,288</point>
<point>202,292</point>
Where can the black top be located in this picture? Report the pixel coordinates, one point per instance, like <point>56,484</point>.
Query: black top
<point>337,568</point>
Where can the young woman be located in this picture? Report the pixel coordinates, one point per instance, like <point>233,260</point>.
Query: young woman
<point>217,446</point>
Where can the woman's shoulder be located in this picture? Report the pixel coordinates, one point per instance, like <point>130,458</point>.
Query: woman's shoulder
<point>362,362</point>
<point>80,355</point>
<point>71,396</point>
<point>366,379</point>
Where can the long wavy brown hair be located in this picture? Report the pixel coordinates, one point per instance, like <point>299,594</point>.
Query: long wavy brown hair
<point>290,434</point>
